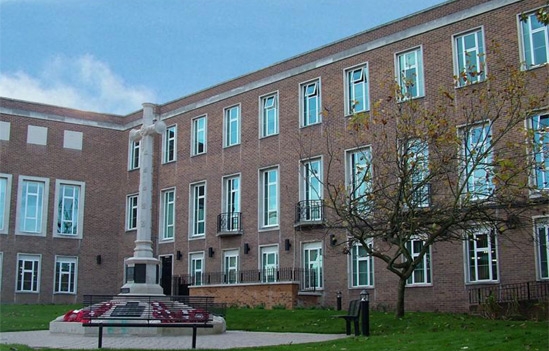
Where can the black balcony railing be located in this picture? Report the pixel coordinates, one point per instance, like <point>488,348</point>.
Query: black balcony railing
<point>309,212</point>
<point>229,223</point>
<point>528,291</point>
<point>307,278</point>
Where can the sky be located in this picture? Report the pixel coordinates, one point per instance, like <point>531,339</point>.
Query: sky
<point>110,56</point>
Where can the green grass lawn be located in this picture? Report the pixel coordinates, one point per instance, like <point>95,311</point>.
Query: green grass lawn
<point>414,332</point>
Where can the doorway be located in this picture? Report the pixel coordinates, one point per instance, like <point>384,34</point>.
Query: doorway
<point>166,274</point>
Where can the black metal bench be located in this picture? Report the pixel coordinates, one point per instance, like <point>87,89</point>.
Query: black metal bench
<point>352,316</point>
<point>108,323</point>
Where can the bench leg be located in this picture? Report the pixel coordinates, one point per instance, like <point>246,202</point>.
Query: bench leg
<point>347,327</point>
<point>356,327</point>
<point>100,340</point>
<point>194,337</point>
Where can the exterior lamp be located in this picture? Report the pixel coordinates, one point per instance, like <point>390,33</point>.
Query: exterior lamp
<point>338,301</point>
<point>365,312</point>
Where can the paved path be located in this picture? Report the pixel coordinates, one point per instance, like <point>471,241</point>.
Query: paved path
<point>230,339</point>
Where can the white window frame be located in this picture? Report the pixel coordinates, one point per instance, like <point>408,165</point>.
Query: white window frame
<point>541,222</point>
<point>44,214</point>
<point>33,258</point>
<point>57,281</point>
<point>472,184</point>
<point>470,236</point>
<point>59,183</point>
<point>427,264</point>
<point>227,270</point>
<point>268,272</point>
<point>305,188</point>
<point>262,198</point>
<point>350,175</point>
<point>196,256</point>
<point>164,226</point>
<point>304,118</point>
<point>538,152</point>
<point>133,147</point>
<point>422,170</point>
<point>166,141</point>
<point>130,210</point>
<point>522,44</point>
<point>227,120</point>
<point>5,204</point>
<point>349,88</point>
<point>420,76</point>
<point>192,209</point>
<point>319,279</point>
<point>194,135</point>
<point>354,271</point>
<point>227,193</point>
<point>480,57</point>
<point>263,110</point>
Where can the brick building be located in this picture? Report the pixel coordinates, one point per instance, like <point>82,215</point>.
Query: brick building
<point>228,178</point>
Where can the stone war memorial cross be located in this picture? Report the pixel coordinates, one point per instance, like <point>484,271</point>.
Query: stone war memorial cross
<point>142,268</point>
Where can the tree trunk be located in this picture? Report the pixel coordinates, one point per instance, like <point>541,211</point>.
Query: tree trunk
<point>400,299</point>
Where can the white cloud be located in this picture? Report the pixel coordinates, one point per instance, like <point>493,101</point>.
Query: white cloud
<point>83,83</point>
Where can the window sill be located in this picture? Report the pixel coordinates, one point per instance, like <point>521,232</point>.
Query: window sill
<point>349,115</point>
<point>230,146</point>
<point>268,136</point>
<point>410,99</point>
<point>166,241</point>
<point>133,169</point>
<point>200,154</point>
<point>67,236</point>
<point>130,230</point>
<point>268,229</point>
<point>361,287</point>
<point>483,282</point>
<point>310,125</point>
<point>197,237</point>
<point>169,162</point>
<point>27,292</point>
<point>458,87</point>
<point>64,293</point>
<point>31,234</point>
<point>318,292</point>
<point>534,67</point>
<point>420,285</point>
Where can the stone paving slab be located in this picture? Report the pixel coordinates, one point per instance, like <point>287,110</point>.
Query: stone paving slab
<point>230,339</point>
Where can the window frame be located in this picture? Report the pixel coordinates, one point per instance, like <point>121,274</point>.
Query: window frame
<point>165,144</point>
<point>370,273</point>
<point>194,134</point>
<point>38,258</point>
<point>199,256</point>
<point>164,226</point>
<point>420,76</point>
<point>347,88</point>
<point>464,135</point>
<point>455,53</point>
<point>45,197</point>
<point>302,97</point>
<point>522,44</point>
<point>534,152</point>
<point>349,172</point>
<point>6,206</point>
<point>227,123</point>
<point>314,245</point>
<point>133,162</point>
<point>491,232</point>
<point>59,183</point>
<point>265,275</point>
<point>226,269</point>
<point>57,283</point>
<point>129,211</point>
<point>427,263</point>
<point>261,199</point>
<point>537,249</point>
<point>192,209</point>
<point>262,114</point>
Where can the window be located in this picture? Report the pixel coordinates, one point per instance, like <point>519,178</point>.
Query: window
<point>269,115</point>
<point>69,200</point>
<point>65,275</point>
<point>357,90</point>
<point>541,228</point>
<point>269,264</point>
<point>422,273</point>
<point>231,204</point>
<point>311,190</point>
<point>535,41</point>
<point>230,267</point>
<point>169,147</point>
<point>410,74</point>
<point>32,205</point>
<point>540,126</point>
<point>417,162</point>
<point>362,269</point>
<point>196,268</point>
<point>131,212</point>
<point>269,197</point>
<point>232,126</point>
<point>134,155</point>
<point>359,176</point>
<point>198,209</point>
<point>482,261</point>
<point>168,214</point>
<point>5,199</point>
<point>478,161</point>
<point>470,65</point>
<point>198,139</point>
<point>312,266</point>
<point>1,269</point>
<point>28,273</point>
<point>310,101</point>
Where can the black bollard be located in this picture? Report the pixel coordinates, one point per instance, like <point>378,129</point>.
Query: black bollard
<point>338,301</point>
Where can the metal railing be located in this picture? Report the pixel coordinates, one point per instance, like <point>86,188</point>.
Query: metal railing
<point>230,222</point>
<point>307,211</point>
<point>528,291</point>
<point>307,278</point>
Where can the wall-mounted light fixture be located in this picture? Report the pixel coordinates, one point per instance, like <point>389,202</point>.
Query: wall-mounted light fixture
<point>211,252</point>
<point>333,240</point>
<point>246,248</point>
<point>179,255</point>
<point>287,245</point>
<point>98,259</point>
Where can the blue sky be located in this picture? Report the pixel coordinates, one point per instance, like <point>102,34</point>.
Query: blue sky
<point>112,55</point>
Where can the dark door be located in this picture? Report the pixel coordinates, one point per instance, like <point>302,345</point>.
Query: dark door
<point>166,277</point>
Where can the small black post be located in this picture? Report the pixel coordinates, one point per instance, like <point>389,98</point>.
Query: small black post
<point>338,301</point>
<point>194,337</point>
<point>365,312</point>
<point>100,341</point>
